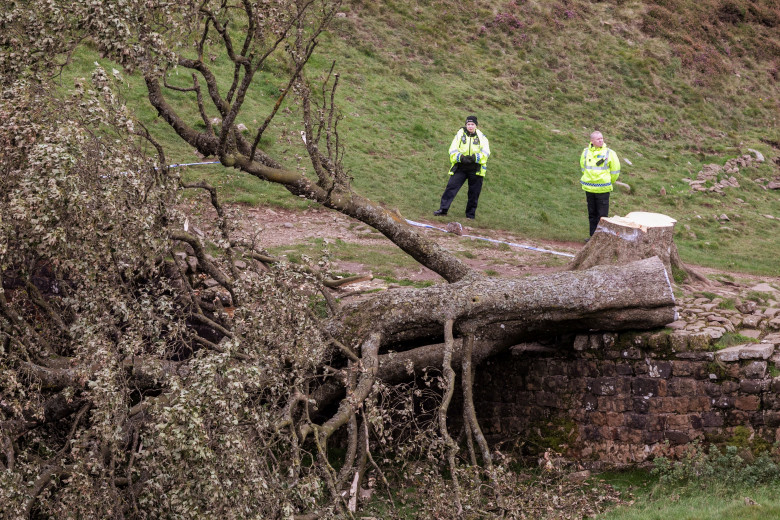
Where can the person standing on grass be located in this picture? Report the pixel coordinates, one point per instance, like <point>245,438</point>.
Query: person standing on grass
<point>469,153</point>
<point>600,168</point>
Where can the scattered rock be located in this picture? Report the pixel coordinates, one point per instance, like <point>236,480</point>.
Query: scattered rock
<point>759,155</point>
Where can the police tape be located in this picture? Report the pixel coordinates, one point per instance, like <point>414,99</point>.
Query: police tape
<point>512,244</point>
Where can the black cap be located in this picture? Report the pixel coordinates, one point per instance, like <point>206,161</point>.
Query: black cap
<point>472,118</point>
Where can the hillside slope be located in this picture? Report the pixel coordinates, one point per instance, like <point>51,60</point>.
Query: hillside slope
<point>673,85</point>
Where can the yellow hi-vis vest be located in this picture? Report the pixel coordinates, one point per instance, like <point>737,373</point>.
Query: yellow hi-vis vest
<point>600,169</point>
<point>477,145</point>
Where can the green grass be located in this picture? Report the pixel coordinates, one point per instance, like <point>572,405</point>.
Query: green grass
<point>702,506</point>
<point>729,339</point>
<point>670,92</point>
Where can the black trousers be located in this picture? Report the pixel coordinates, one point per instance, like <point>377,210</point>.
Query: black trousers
<point>598,206</point>
<point>453,186</point>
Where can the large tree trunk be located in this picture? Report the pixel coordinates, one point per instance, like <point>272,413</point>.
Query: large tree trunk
<point>503,312</point>
<point>638,235</point>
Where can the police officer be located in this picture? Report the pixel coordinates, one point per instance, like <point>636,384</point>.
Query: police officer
<point>469,153</point>
<point>600,169</point>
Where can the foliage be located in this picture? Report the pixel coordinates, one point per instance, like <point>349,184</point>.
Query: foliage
<point>717,468</point>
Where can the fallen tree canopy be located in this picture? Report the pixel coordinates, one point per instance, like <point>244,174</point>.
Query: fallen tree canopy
<point>141,376</point>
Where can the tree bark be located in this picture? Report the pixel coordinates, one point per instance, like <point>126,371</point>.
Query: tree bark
<point>638,235</point>
<point>503,312</point>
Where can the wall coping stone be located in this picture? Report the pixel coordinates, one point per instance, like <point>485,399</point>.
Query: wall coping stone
<point>747,351</point>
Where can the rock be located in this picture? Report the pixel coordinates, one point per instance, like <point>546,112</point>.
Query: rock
<point>288,225</point>
<point>747,351</point>
<point>774,185</point>
<point>752,321</point>
<point>763,287</point>
<point>241,127</point>
<point>455,228</point>
<point>746,306</point>
<point>625,188</point>
<point>759,155</point>
<point>755,369</point>
<point>750,333</point>
<point>774,324</point>
<point>677,325</point>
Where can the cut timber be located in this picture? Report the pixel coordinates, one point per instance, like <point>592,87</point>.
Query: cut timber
<point>638,235</point>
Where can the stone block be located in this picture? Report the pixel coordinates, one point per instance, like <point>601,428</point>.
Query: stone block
<point>755,370</point>
<point>682,387</point>
<point>652,437</point>
<point>713,389</point>
<point>712,419</point>
<point>750,386</point>
<point>752,321</point>
<point>773,337</point>
<point>700,404</point>
<point>746,351</point>
<point>641,404</point>
<point>590,402</point>
<point>682,368</point>
<point>648,387</point>
<point>603,386</point>
<point>724,402</point>
<point>624,369</point>
<point>662,369</point>
<point>729,387</point>
<point>748,403</point>
<point>677,437</point>
<point>678,422</point>
<point>678,340</point>
<point>699,341</point>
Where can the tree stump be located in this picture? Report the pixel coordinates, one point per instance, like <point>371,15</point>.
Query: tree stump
<point>638,235</point>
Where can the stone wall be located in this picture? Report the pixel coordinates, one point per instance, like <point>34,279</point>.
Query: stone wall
<point>629,397</point>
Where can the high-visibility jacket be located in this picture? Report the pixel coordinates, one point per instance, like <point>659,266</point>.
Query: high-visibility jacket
<point>600,169</point>
<point>476,145</point>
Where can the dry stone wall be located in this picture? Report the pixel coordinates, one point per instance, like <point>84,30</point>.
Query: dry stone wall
<point>625,398</point>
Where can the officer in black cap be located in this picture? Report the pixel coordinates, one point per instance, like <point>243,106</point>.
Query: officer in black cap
<point>469,153</point>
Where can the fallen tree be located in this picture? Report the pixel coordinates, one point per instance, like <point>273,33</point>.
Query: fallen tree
<point>143,377</point>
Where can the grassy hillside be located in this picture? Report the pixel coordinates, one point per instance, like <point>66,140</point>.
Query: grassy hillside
<point>672,84</point>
